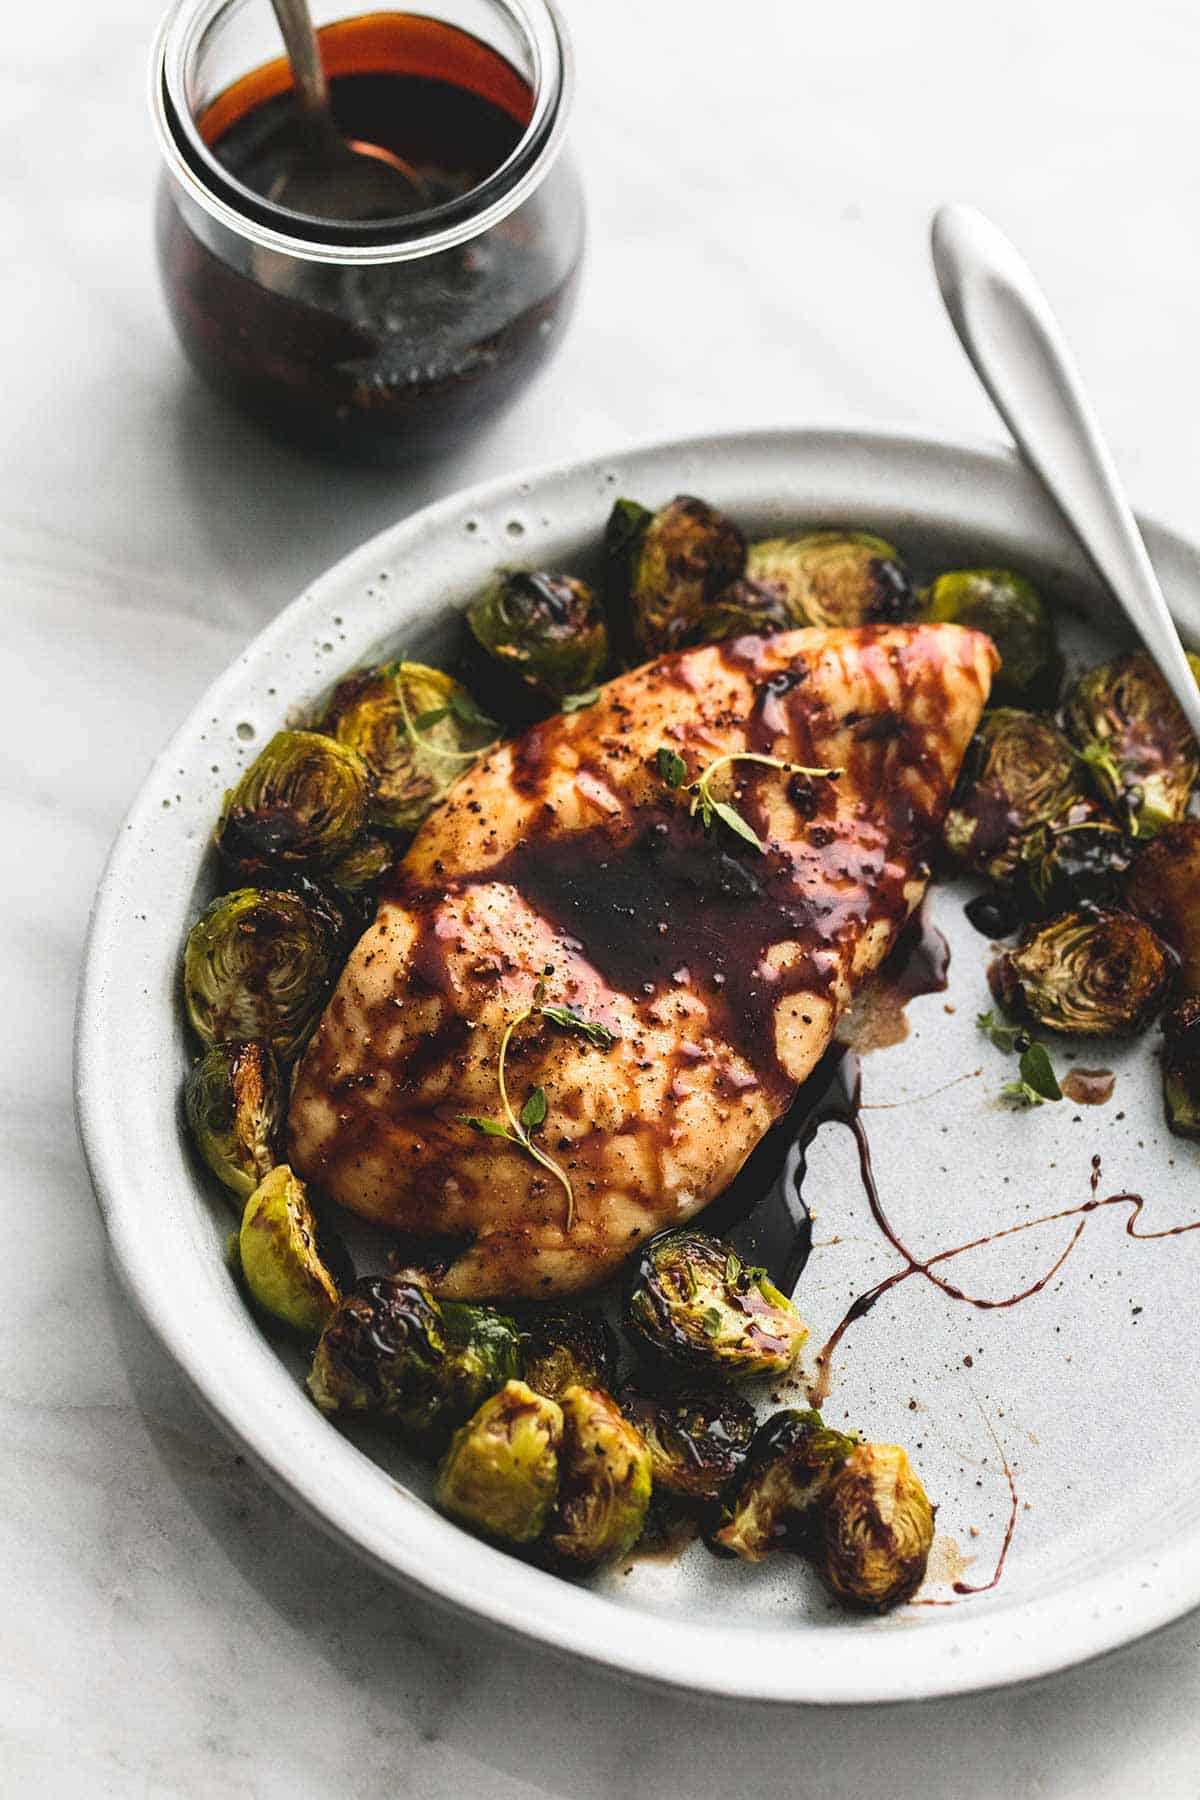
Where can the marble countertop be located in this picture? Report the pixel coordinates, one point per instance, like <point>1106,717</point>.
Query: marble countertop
<point>760,183</point>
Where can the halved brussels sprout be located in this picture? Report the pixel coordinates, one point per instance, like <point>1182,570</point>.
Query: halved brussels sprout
<point>1181,1067</point>
<point>876,1528</point>
<point>697,1438</point>
<point>744,609</point>
<point>792,1461</point>
<point>393,1351</point>
<point>1090,973</point>
<point>567,1348</point>
<point>834,577</point>
<point>665,568</point>
<point>302,801</point>
<point>546,633</point>
<point>280,1262</point>
<point>1008,609</point>
<point>1083,858</point>
<point>1163,886</point>
<point>1134,740</point>
<point>363,865</point>
<point>500,1473</point>
<point>1019,773</point>
<point>235,1106</point>
<point>604,1482</point>
<point>695,1302</point>
<point>259,963</point>
<point>415,728</point>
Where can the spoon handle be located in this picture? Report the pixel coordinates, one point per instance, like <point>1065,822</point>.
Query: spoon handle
<point>304,54</point>
<point>1008,331</point>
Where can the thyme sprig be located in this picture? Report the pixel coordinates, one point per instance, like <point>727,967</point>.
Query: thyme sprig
<point>517,1128</point>
<point>458,705</point>
<point>673,770</point>
<point>1036,1080</point>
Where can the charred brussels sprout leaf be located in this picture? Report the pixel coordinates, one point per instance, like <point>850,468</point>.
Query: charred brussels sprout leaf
<point>744,609</point>
<point>415,728</point>
<point>280,1263</point>
<point>364,865</point>
<point>1181,1067</point>
<point>697,1438</point>
<point>500,1473</point>
<point>792,1460</point>
<point>876,1528</point>
<point>1090,973</point>
<point>258,964</point>
<point>1008,609</point>
<point>562,1349</point>
<point>694,1302</point>
<point>1019,774</point>
<point>1163,886</point>
<point>235,1107</point>
<point>665,568</point>
<point>604,1482</point>
<point>545,634</point>
<point>1134,742</point>
<point>834,577</point>
<point>302,802</point>
<point>393,1351</point>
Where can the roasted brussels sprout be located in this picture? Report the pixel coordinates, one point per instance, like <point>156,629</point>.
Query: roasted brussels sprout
<point>1090,973</point>
<point>744,609</point>
<point>695,1302</point>
<point>876,1528</point>
<point>234,1101</point>
<point>393,1351</point>
<point>1084,858</point>
<point>363,865</point>
<point>1019,774</point>
<point>792,1460</point>
<point>567,1348</point>
<point>604,1482</point>
<point>280,1263</point>
<point>1163,886</point>
<point>258,964</point>
<point>500,1473</point>
<point>415,728</point>
<point>1008,609</point>
<point>302,801</point>
<point>545,635</point>
<point>834,577</point>
<point>697,1438</point>
<point>1135,742</point>
<point>665,568</point>
<point>1181,1067</point>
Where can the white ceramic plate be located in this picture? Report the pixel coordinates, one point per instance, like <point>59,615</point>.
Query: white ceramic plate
<point>1094,1402</point>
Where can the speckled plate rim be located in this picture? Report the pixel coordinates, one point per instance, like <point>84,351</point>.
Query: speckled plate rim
<point>126,1049</point>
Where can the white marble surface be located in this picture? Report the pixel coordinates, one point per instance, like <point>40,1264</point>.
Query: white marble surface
<point>760,180</point>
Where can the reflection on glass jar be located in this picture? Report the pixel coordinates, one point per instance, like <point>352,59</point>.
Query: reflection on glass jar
<point>393,338</point>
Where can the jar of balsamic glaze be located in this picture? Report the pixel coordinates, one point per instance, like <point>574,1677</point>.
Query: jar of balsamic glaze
<point>385,339</point>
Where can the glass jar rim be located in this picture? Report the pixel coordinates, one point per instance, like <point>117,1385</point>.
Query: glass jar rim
<point>197,171</point>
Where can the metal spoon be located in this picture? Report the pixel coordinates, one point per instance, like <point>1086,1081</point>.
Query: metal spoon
<point>334,177</point>
<point>1008,331</point>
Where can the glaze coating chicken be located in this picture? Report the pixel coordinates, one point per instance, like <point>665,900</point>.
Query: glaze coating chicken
<point>565,871</point>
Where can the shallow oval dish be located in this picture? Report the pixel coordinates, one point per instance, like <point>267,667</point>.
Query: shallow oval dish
<point>1082,1578</point>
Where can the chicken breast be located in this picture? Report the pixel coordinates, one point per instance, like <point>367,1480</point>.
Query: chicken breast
<point>564,870</point>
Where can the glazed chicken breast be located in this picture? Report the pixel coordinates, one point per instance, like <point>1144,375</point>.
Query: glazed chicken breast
<point>565,871</point>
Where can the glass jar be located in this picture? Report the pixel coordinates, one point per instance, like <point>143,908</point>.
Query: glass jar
<point>391,339</point>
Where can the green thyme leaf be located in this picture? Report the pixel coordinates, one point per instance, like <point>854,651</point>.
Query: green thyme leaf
<point>434,716</point>
<point>1003,1036</point>
<point>1038,1073</point>
<point>712,1321</point>
<point>577,702</point>
<point>671,766</point>
<point>571,1019</point>
<point>730,816</point>
<point>534,1110</point>
<point>489,1127</point>
<point>464,708</point>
